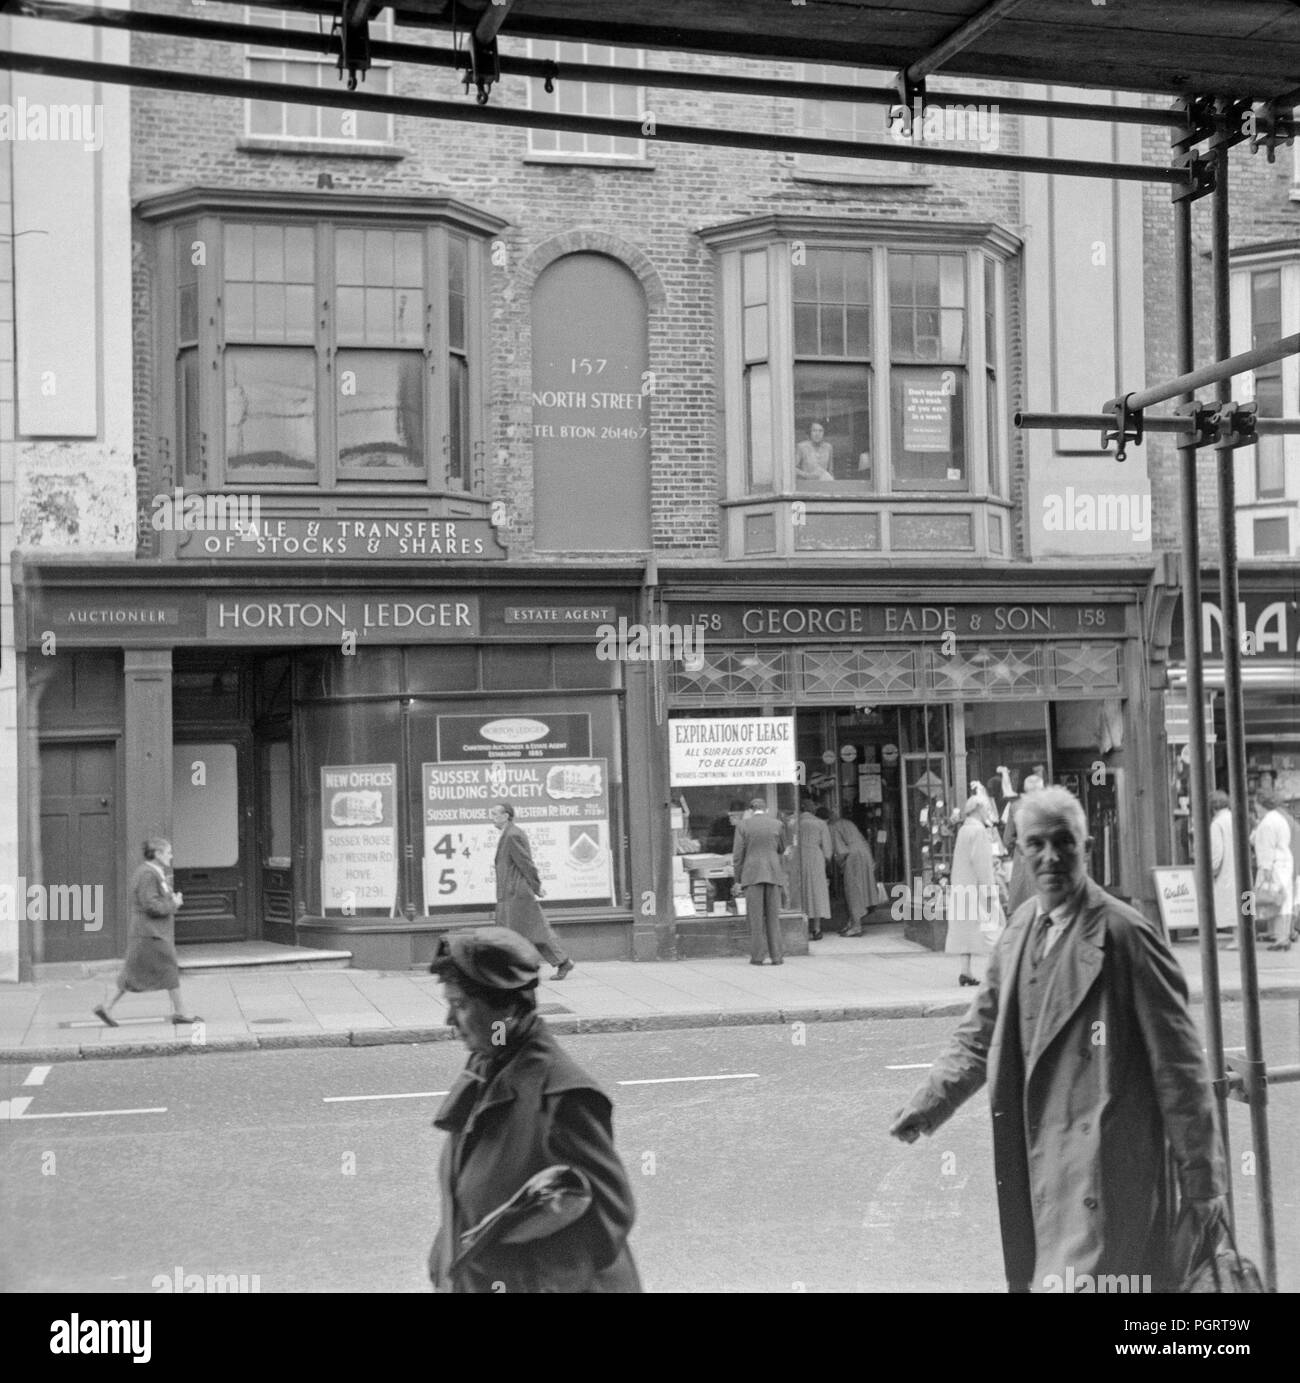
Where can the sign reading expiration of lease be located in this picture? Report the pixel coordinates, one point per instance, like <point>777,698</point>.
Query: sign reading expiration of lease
<point>746,749</point>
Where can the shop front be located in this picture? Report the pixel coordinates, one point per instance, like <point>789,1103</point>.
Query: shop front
<point>323,750</point>
<point>1270,675</point>
<point>904,697</point>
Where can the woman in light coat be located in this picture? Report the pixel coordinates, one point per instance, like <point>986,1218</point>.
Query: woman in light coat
<point>973,900</point>
<point>814,851</point>
<point>857,869</point>
<point>1223,864</point>
<point>1275,860</point>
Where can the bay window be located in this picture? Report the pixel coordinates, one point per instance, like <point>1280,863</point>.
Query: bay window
<point>321,352</point>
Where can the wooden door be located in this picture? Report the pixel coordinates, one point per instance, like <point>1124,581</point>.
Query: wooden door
<point>83,920</point>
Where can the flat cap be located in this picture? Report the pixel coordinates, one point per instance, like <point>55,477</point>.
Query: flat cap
<point>493,957</point>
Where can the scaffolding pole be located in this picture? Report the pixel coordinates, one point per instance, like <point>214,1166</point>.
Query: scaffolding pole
<point>1235,728</point>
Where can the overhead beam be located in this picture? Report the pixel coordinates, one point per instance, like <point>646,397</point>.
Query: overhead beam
<point>491,20</point>
<point>961,37</point>
<point>243,89</point>
<point>423,55</point>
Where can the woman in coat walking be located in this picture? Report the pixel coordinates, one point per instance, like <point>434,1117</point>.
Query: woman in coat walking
<point>1223,865</point>
<point>151,942</point>
<point>521,1106</point>
<point>519,886</point>
<point>814,851</point>
<point>974,901</point>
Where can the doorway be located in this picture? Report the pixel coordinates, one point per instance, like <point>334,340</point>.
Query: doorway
<point>212,818</point>
<point>79,851</point>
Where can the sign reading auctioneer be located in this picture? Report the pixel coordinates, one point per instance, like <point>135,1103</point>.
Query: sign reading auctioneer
<point>745,749</point>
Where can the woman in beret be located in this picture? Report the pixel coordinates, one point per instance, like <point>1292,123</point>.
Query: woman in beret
<point>522,1105</point>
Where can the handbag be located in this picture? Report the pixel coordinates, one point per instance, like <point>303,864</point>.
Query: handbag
<point>1269,894</point>
<point>1214,1265</point>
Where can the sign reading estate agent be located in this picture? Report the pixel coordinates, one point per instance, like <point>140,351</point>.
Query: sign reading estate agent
<point>358,856</point>
<point>563,805</point>
<point>748,749</point>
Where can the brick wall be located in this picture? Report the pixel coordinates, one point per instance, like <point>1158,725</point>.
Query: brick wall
<point>646,216</point>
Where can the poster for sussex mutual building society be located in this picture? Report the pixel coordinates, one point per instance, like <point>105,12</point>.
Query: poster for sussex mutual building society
<point>562,804</point>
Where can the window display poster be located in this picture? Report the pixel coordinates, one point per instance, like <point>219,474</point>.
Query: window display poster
<point>562,805</point>
<point>927,411</point>
<point>736,750</point>
<point>514,737</point>
<point>1176,898</point>
<point>358,856</point>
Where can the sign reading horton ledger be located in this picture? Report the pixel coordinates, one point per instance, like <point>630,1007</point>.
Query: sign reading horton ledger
<point>743,749</point>
<point>563,805</point>
<point>358,855</point>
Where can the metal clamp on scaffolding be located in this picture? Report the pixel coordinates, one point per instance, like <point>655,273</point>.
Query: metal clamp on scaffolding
<point>1235,426</point>
<point>352,29</point>
<point>1247,1080</point>
<point>1202,429</point>
<point>1127,428</point>
<point>1272,125</point>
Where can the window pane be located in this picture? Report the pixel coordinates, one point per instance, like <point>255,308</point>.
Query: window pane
<point>1265,306</point>
<point>268,254</point>
<point>348,268</point>
<point>239,311</point>
<point>435,669</point>
<point>928,428</point>
<point>456,321</point>
<point>374,126</point>
<point>858,325</point>
<point>266,117</point>
<point>805,329</point>
<point>857,278</point>
<point>408,329</point>
<point>381,425</point>
<point>756,333</point>
<point>831,336</point>
<point>350,322</point>
<point>299,316</point>
<point>270,409</point>
<point>187,416</point>
<point>409,259</point>
<point>189,312</point>
<point>379,315</point>
<point>952,335</point>
<point>458,422</point>
<point>578,666</point>
<point>1272,537</point>
<point>952,281</point>
<point>516,668</point>
<point>832,406</point>
<point>753,274</point>
<point>239,253</point>
<point>1270,471</point>
<point>269,312</point>
<point>300,254</point>
<point>379,257</point>
<point>758,426</point>
<point>992,440</point>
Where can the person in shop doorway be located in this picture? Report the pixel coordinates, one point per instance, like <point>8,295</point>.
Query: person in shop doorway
<point>1020,887</point>
<point>857,870</point>
<point>151,943</point>
<point>757,853</point>
<point>721,834</point>
<point>1223,866</point>
<point>1083,1126</point>
<point>975,899</point>
<point>814,849</point>
<point>1275,869</point>
<point>519,886</point>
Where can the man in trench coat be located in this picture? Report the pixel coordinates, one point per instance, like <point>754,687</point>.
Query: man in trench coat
<point>1082,1029</point>
<point>519,886</point>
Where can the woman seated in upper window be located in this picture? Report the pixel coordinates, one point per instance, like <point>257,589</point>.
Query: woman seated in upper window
<point>813,456</point>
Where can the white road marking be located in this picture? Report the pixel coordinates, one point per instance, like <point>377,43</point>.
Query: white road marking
<point>413,1095</point>
<point>672,1080</point>
<point>36,1076</point>
<point>13,1109</point>
<point>24,1100</point>
<point>916,1066</point>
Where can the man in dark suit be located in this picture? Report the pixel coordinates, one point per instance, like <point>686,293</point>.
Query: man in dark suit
<point>519,886</point>
<point>756,857</point>
<point>1082,1029</point>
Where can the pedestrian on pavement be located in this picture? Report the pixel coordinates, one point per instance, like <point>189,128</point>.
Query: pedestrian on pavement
<point>792,892</point>
<point>1021,886</point>
<point>1274,869</point>
<point>974,902</point>
<point>814,848</point>
<point>1094,1065</point>
<point>519,886</point>
<point>1223,865</point>
<point>151,939</point>
<point>521,1106</point>
<point>857,870</point>
<point>756,852</point>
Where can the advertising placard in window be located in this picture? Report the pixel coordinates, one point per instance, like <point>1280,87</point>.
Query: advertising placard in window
<point>561,804</point>
<point>513,737</point>
<point>358,858</point>
<point>927,417</point>
<point>745,749</point>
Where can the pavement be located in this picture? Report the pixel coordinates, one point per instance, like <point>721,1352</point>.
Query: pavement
<point>275,1006</point>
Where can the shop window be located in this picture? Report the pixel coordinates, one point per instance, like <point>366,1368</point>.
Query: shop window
<point>513,669</point>
<point>576,665</point>
<point>436,669</point>
<point>367,672</point>
<point>600,99</point>
<point>860,122</point>
<point>295,67</point>
<point>316,354</point>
